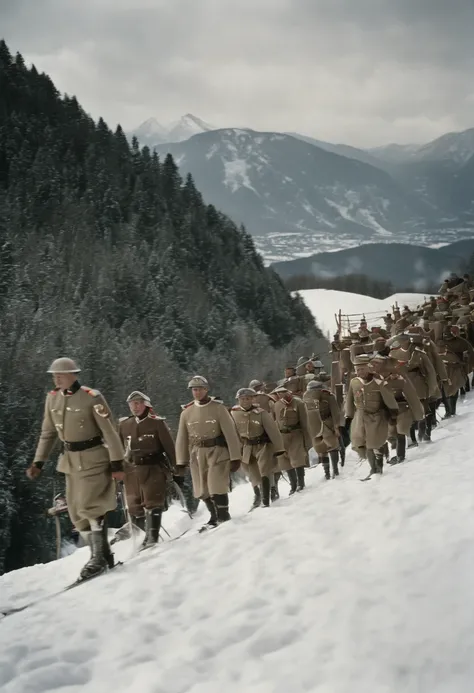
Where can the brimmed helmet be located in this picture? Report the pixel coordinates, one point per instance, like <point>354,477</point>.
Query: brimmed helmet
<point>64,365</point>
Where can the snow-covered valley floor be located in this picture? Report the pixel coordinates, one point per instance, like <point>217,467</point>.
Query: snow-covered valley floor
<point>347,587</point>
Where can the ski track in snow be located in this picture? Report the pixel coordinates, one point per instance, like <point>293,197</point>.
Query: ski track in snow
<point>344,588</point>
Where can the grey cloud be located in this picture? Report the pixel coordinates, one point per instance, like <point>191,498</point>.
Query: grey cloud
<point>360,71</point>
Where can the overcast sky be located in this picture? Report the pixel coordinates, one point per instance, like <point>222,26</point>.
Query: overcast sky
<point>364,72</point>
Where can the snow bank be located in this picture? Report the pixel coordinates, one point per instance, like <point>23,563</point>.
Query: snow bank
<point>325,303</point>
<point>344,588</point>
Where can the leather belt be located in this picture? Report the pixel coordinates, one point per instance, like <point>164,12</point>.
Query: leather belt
<point>80,445</point>
<point>261,440</point>
<point>151,458</point>
<point>290,429</point>
<point>210,442</point>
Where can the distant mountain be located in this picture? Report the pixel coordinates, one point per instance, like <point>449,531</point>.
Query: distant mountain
<point>455,147</point>
<point>279,183</point>
<point>152,132</point>
<point>401,264</point>
<point>341,149</point>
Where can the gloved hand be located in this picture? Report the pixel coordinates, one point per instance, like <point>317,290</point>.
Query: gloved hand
<point>34,470</point>
<point>347,423</point>
<point>178,480</point>
<point>234,465</point>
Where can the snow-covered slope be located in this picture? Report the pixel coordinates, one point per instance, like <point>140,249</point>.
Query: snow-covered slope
<point>345,588</point>
<point>457,147</point>
<point>325,304</point>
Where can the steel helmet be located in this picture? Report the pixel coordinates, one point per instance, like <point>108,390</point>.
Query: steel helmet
<point>198,381</point>
<point>64,365</point>
<point>137,395</point>
<point>314,385</point>
<point>245,392</point>
<point>256,384</point>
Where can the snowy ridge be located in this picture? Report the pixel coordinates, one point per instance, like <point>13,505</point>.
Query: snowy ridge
<point>346,587</point>
<point>325,303</point>
<point>151,132</point>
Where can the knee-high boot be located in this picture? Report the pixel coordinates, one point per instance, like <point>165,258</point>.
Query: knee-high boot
<point>293,481</point>
<point>334,455</point>
<point>324,459</point>
<point>300,478</point>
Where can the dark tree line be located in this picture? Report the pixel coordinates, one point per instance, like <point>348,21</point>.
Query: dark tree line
<point>108,256</point>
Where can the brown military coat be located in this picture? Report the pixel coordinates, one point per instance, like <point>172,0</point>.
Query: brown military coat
<point>292,421</point>
<point>261,441</point>
<point>415,363</point>
<point>264,401</point>
<point>370,404</point>
<point>147,470</point>
<point>81,416</point>
<point>409,405</point>
<point>456,369</point>
<point>210,466</point>
<point>325,427</point>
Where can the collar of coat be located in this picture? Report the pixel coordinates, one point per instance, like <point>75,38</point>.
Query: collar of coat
<point>379,381</point>
<point>254,408</point>
<point>198,404</point>
<point>73,389</point>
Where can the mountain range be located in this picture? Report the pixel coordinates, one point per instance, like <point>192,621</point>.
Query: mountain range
<point>404,266</point>
<point>297,195</point>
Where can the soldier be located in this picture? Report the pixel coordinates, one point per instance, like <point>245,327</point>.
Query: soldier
<point>456,369</point>
<point>261,441</point>
<point>294,383</point>
<point>262,398</point>
<point>414,363</point>
<point>150,460</point>
<point>410,409</point>
<point>207,441</point>
<point>325,437</point>
<point>91,458</point>
<point>292,421</point>
<point>370,405</point>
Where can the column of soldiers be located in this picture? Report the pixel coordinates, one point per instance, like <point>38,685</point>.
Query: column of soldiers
<point>392,380</point>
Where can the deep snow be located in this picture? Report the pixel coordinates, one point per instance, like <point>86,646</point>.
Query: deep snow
<point>325,303</point>
<point>347,587</point>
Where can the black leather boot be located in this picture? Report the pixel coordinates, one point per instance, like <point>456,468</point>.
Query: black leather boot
<point>300,477</point>
<point>334,455</point>
<point>325,462</point>
<point>152,527</point>
<point>342,454</point>
<point>293,481</point>
<point>212,521</point>
<point>221,501</point>
<point>96,538</point>
<point>414,442</point>
<point>274,493</point>
<point>257,498</point>
<point>266,483</point>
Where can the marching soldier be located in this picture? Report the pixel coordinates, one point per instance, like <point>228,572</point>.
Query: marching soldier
<point>370,405</point>
<point>261,441</point>
<point>456,369</point>
<point>262,398</point>
<point>410,409</point>
<point>292,421</point>
<point>325,432</point>
<point>207,441</point>
<point>91,458</point>
<point>151,457</point>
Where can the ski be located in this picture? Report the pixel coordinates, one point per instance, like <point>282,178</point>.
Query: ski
<point>47,597</point>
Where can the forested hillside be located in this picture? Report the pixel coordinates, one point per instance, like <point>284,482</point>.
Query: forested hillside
<point>109,257</point>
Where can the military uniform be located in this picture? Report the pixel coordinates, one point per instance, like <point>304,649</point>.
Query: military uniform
<point>207,441</point>
<point>410,411</point>
<point>261,442</point>
<point>370,405</point>
<point>80,418</point>
<point>292,421</point>
<point>150,459</point>
<point>326,441</point>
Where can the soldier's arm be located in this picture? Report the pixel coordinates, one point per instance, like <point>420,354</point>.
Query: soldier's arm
<point>430,375</point>
<point>229,430</point>
<point>167,441</point>
<point>315,423</point>
<point>47,439</point>
<point>104,420</point>
<point>349,408</point>
<point>389,399</point>
<point>182,442</point>
<point>272,431</point>
<point>416,407</point>
<point>335,411</point>
<point>308,441</point>
<point>438,363</point>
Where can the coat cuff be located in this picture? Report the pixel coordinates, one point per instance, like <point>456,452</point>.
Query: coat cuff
<point>117,466</point>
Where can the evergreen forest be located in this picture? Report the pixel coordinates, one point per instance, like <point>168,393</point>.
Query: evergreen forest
<point>108,256</point>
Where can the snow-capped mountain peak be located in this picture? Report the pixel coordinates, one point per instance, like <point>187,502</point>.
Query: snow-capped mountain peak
<point>151,132</point>
<point>150,129</point>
